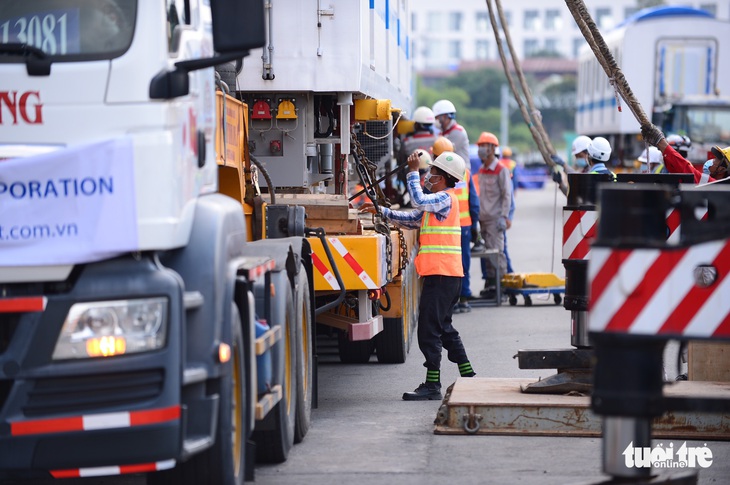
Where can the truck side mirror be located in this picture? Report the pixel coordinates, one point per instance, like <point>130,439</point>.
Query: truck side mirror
<point>238,25</point>
<point>170,84</point>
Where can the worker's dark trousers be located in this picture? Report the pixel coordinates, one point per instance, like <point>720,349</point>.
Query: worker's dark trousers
<point>438,297</point>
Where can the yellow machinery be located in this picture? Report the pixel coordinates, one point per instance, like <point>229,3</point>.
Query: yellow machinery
<point>379,311</point>
<point>528,284</point>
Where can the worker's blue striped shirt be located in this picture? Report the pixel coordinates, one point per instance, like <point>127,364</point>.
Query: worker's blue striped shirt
<point>438,203</point>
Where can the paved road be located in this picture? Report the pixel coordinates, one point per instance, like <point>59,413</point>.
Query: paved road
<point>363,433</point>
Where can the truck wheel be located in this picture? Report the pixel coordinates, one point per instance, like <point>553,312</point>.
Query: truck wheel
<point>223,462</point>
<point>274,435</point>
<point>305,359</point>
<point>357,352</point>
<point>392,342</point>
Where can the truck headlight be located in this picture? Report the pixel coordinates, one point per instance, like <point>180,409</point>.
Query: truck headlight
<point>109,328</point>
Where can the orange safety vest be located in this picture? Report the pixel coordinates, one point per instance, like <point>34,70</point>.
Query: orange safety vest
<point>461,190</point>
<point>440,243</point>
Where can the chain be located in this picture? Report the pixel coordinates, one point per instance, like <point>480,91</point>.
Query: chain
<point>403,250</point>
<point>366,172</point>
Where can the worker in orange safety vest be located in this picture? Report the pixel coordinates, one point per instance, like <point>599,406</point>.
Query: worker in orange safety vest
<point>439,264</point>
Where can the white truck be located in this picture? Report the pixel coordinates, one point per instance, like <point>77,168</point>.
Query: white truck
<point>677,63</point>
<point>136,267</point>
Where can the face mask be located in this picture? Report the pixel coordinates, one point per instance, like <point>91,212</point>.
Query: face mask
<point>427,181</point>
<point>437,124</point>
<point>707,165</point>
<point>482,152</point>
<point>581,162</point>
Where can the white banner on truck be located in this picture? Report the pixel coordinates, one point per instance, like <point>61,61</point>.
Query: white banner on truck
<point>71,206</point>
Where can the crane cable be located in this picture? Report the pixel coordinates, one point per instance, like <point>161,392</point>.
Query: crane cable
<point>535,123</point>
<point>603,54</point>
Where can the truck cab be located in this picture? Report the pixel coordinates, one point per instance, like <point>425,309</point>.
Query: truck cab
<point>129,290</point>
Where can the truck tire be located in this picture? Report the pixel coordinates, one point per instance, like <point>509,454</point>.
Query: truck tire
<point>357,352</point>
<point>224,462</point>
<point>392,342</point>
<point>305,358</point>
<point>274,435</point>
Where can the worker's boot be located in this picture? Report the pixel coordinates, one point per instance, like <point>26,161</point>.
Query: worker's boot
<point>427,391</point>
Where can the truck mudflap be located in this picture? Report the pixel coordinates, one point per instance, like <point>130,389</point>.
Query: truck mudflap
<point>90,413</point>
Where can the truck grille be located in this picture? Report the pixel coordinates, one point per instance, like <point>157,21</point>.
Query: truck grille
<point>84,393</point>
<point>8,325</point>
<point>4,391</point>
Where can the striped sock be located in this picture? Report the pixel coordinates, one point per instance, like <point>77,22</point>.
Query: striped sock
<point>465,370</point>
<point>433,376</point>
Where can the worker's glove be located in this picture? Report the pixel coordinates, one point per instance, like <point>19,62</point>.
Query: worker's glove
<point>557,177</point>
<point>557,160</point>
<point>474,234</point>
<point>502,224</point>
<point>651,134</point>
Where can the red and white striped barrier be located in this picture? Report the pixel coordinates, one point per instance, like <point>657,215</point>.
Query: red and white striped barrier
<point>325,272</point>
<point>654,291</point>
<point>579,230</point>
<point>674,226</point>
<point>353,264</point>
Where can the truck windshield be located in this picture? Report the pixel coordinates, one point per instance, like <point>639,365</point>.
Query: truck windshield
<point>703,124</point>
<point>68,29</point>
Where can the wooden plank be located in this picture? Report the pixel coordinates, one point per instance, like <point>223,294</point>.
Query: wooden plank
<point>319,206</point>
<point>708,361</point>
<point>336,226</point>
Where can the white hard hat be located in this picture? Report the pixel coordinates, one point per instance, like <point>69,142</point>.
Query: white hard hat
<point>655,156</point>
<point>424,115</point>
<point>452,164</point>
<point>424,159</point>
<point>580,144</point>
<point>679,142</point>
<point>600,149</point>
<point>443,107</point>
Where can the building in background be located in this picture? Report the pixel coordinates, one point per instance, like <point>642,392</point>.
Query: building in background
<point>447,34</point>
